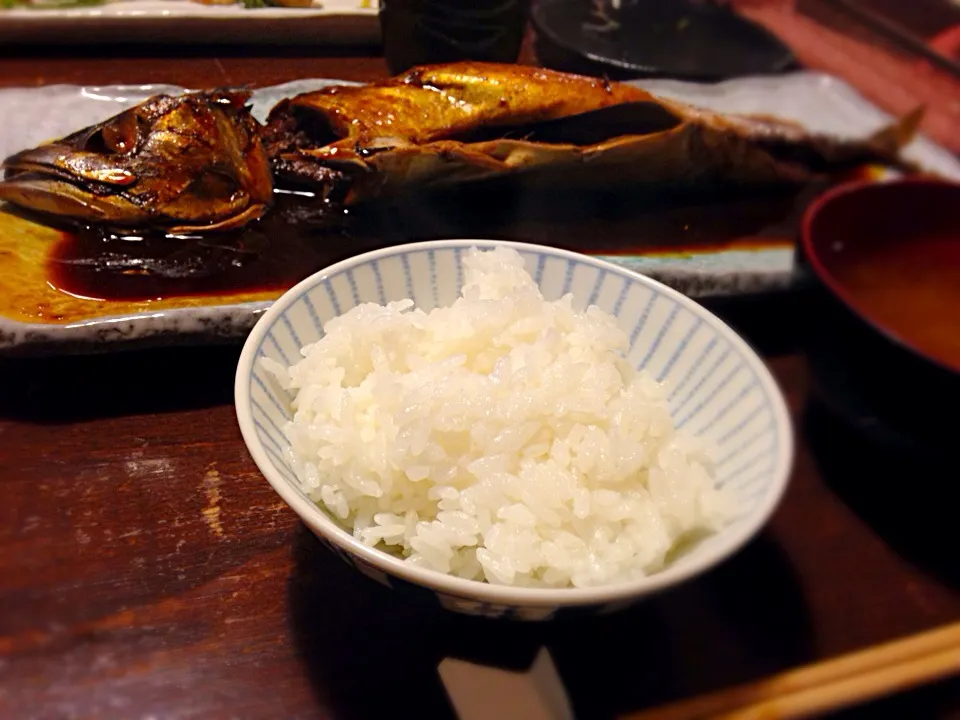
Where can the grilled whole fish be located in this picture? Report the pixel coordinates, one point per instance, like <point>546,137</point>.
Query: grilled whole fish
<point>185,163</point>
<point>201,162</point>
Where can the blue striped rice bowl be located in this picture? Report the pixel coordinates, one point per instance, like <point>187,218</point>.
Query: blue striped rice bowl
<point>720,391</point>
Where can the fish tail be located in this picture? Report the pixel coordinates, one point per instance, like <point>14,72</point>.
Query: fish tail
<point>891,139</point>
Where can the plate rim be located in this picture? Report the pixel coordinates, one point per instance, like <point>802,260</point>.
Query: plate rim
<point>134,10</point>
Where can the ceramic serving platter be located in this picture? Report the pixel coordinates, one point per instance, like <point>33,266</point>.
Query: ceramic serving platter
<point>35,115</point>
<point>187,21</point>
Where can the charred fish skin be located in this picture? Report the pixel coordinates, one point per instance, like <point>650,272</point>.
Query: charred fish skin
<point>286,133</point>
<point>185,163</point>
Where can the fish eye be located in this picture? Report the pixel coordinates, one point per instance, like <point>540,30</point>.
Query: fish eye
<point>122,135</point>
<point>113,139</point>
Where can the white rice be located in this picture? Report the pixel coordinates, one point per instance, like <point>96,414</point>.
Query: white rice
<point>502,439</point>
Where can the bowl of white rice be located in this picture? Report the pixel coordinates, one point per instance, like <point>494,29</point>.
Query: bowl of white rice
<point>512,430</point>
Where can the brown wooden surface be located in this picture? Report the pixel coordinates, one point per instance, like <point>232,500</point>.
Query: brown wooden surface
<point>147,569</point>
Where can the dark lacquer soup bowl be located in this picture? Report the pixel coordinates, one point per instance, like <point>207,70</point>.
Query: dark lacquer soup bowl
<point>887,259</point>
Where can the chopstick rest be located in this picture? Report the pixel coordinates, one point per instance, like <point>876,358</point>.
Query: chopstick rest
<point>479,692</point>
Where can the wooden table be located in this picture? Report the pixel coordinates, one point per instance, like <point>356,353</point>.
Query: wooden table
<point>148,571</point>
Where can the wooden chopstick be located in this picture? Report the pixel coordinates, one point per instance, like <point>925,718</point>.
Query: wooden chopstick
<point>896,34</point>
<point>830,685</point>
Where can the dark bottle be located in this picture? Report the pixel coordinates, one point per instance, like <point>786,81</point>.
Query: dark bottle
<point>418,32</point>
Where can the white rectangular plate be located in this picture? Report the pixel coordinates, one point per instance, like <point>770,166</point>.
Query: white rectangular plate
<point>185,21</point>
<point>822,103</point>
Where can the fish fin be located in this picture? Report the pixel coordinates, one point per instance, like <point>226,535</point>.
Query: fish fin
<point>892,138</point>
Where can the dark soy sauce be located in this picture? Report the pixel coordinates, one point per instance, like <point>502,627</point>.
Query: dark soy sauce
<point>300,235</point>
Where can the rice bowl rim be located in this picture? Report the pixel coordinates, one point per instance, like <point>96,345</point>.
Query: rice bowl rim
<point>723,544</point>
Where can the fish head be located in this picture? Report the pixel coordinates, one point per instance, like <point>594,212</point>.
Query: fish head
<point>183,163</point>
